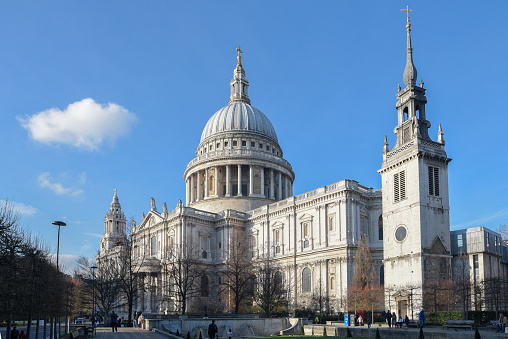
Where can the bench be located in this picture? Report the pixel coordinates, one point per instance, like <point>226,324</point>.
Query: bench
<point>413,323</point>
<point>465,324</point>
<point>491,325</point>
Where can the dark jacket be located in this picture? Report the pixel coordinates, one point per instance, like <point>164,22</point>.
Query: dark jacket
<point>114,317</point>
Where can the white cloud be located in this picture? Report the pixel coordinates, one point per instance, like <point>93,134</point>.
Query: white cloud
<point>97,235</point>
<point>21,208</point>
<point>46,181</point>
<point>479,222</point>
<point>66,262</point>
<point>83,124</point>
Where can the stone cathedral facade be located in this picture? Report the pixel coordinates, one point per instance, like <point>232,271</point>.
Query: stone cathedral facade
<point>239,179</point>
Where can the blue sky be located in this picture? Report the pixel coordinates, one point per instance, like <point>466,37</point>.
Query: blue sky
<point>98,95</point>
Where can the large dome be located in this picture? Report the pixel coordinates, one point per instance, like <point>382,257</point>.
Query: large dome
<point>239,116</point>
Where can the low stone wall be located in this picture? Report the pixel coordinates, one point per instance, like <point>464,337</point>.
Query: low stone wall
<point>241,327</point>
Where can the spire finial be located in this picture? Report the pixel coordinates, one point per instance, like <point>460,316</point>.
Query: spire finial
<point>115,191</point>
<point>385,145</point>
<point>440,134</point>
<point>410,70</point>
<point>239,57</point>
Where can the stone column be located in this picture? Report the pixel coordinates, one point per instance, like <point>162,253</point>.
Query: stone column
<point>272,193</point>
<point>228,180</point>
<point>198,188</point>
<point>217,181</point>
<point>280,186</point>
<point>263,181</point>
<point>206,183</point>
<point>239,192</point>
<point>149,292</point>
<point>142,293</point>
<point>192,188</point>
<point>251,180</point>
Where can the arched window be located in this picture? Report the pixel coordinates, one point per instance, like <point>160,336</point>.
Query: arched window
<point>382,275</point>
<point>380,227</point>
<point>306,280</point>
<point>204,286</point>
<point>278,278</point>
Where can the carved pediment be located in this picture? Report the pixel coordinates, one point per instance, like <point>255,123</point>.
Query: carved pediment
<point>437,247</point>
<point>277,224</point>
<point>306,217</point>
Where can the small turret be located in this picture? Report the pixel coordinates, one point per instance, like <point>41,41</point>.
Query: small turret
<point>239,84</point>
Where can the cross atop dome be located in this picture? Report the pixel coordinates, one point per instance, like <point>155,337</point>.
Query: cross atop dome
<point>239,57</point>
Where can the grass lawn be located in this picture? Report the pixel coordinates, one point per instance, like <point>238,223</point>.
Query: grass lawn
<point>305,337</point>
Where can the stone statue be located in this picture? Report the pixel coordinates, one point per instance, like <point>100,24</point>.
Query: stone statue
<point>152,201</point>
<point>165,208</point>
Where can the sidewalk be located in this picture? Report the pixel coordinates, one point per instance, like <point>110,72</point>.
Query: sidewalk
<point>126,333</point>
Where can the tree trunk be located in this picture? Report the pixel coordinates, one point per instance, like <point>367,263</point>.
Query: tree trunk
<point>29,326</point>
<point>37,327</point>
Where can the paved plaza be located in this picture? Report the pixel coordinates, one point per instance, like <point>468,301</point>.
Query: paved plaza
<point>127,333</point>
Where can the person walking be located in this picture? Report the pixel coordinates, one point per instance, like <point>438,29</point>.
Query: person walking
<point>394,320</point>
<point>135,319</point>
<point>212,329</point>
<point>140,319</point>
<point>22,335</point>
<point>14,333</point>
<point>388,317</point>
<point>114,323</point>
<point>230,334</point>
<point>422,318</point>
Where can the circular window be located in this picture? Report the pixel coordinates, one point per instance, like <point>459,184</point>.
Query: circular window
<point>401,233</point>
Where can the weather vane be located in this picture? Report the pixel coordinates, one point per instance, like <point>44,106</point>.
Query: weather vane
<point>407,10</point>
<point>239,57</point>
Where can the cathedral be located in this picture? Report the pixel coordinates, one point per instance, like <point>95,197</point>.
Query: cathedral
<point>239,179</point>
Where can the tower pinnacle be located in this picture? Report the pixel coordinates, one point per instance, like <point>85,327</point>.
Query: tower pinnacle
<point>410,73</point>
<point>239,84</point>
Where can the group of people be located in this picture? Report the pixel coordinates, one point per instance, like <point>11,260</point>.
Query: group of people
<point>15,334</point>
<point>213,329</point>
<point>391,319</point>
<point>137,319</point>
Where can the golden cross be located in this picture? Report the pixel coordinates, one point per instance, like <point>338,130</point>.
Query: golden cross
<point>407,10</point>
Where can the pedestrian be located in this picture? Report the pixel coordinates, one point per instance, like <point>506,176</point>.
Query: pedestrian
<point>22,335</point>
<point>114,318</point>
<point>369,321</point>
<point>14,333</point>
<point>212,329</point>
<point>230,334</point>
<point>388,317</point>
<point>94,321</point>
<point>422,318</point>
<point>140,319</point>
<point>135,319</point>
<point>394,320</point>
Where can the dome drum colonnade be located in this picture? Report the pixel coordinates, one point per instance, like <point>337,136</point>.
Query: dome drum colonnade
<point>238,156</point>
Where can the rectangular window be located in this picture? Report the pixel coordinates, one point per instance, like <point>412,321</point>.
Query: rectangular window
<point>244,143</point>
<point>252,144</point>
<point>305,229</point>
<point>226,144</point>
<point>234,143</point>
<point>218,145</point>
<point>476,266</point>
<point>459,240</point>
<point>399,186</point>
<point>331,221</point>
<point>488,241</point>
<point>434,181</point>
<point>267,148</point>
<point>261,146</point>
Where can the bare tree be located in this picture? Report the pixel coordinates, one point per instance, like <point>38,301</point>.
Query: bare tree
<point>237,277</point>
<point>127,269</point>
<point>464,286</point>
<point>271,292</point>
<point>183,268</point>
<point>365,292</point>
<point>503,230</point>
<point>436,296</point>
<point>319,299</point>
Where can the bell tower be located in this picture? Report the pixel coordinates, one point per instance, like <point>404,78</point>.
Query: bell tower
<point>414,176</point>
<point>114,226</point>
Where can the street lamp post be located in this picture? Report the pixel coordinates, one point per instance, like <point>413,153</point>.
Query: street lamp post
<point>94,308</point>
<point>58,223</point>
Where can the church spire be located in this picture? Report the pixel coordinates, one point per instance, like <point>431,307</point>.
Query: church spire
<point>410,70</point>
<point>115,203</point>
<point>239,84</point>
